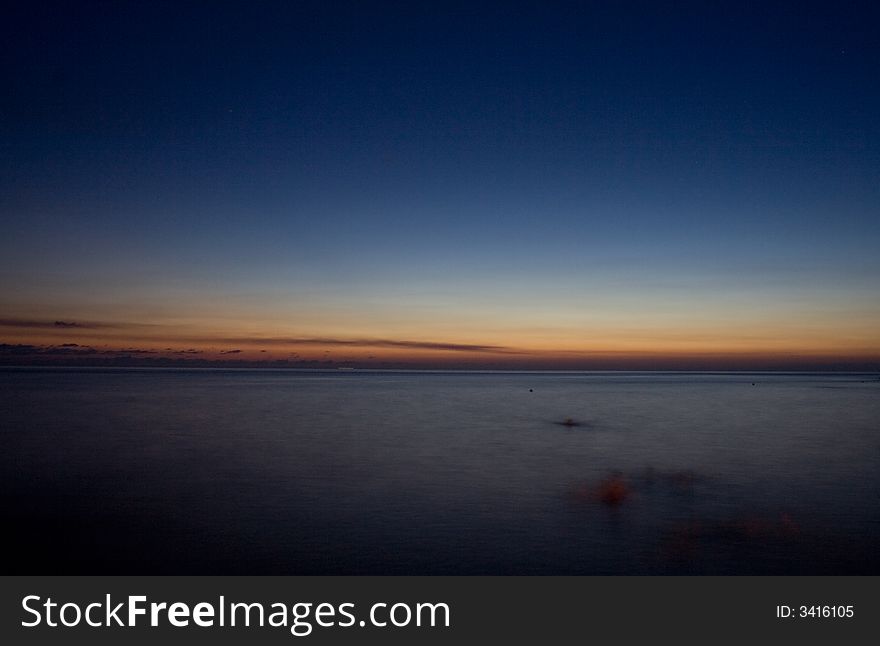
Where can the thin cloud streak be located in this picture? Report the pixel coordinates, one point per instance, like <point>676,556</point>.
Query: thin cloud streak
<point>289,341</point>
<point>371,343</point>
<point>59,324</point>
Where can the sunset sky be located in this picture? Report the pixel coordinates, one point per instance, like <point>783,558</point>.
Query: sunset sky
<point>464,185</point>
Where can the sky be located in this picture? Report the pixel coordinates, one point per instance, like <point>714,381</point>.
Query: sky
<point>463,185</point>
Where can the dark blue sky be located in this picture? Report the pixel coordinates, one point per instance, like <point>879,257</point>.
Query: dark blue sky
<point>375,162</point>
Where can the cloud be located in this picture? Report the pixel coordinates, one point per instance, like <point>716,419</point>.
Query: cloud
<point>18,348</point>
<point>23,349</point>
<point>69,348</point>
<point>230,351</point>
<point>288,341</point>
<point>376,343</point>
<point>57,324</point>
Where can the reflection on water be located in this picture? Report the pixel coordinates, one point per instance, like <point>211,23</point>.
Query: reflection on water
<point>207,471</point>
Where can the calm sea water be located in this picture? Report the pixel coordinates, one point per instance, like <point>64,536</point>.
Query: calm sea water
<point>263,472</point>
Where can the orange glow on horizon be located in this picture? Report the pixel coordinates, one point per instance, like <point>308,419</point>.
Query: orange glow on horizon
<point>564,347</point>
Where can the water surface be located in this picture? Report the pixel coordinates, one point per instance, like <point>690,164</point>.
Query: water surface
<point>281,472</point>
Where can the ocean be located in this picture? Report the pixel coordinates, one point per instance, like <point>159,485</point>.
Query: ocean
<point>154,471</point>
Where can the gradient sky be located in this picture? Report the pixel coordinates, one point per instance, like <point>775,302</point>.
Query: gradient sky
<point>467,184</point>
